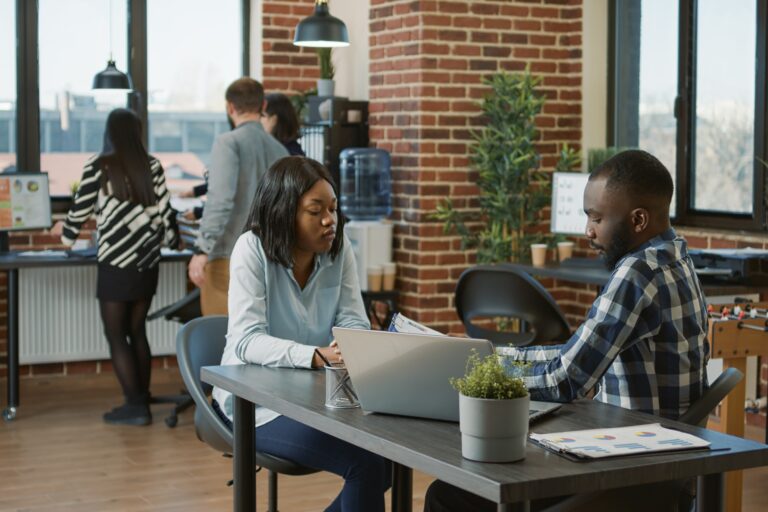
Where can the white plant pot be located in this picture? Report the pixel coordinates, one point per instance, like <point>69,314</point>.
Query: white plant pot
<point>325,87</point>
<point>493,430</point>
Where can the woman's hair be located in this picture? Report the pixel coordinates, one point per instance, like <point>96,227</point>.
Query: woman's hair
<point>273,214</point>
<point>287,127</point>
<point>124,160</point>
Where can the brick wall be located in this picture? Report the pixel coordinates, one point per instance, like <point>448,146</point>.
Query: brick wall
<point>427,60</point>
<point>287,68</point>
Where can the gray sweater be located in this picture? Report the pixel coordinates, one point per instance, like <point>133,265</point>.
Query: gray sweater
<point>239,159</point>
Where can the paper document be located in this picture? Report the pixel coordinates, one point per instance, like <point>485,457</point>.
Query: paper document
<point>611,442</point>
<point>47,253</point>
<point>401,323</point>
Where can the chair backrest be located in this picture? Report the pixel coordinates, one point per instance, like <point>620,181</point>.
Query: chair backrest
<point>698,413</point>
<point>200,343</point>
<point>504,291</point>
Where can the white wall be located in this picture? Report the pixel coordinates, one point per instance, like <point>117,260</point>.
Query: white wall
<point>352,62</point>
<point>256,56</point>
<point>595,76</point>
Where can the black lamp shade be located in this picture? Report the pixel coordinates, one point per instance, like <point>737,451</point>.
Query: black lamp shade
<point>112,78</point>
<point>321,30</point>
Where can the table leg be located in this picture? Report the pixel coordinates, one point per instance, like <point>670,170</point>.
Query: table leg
<point>732,418</point>
<point>520,506</point>
<point>244,456</point>
<point>709,493</point>
<point>402,488</point>
<point>9,413</point>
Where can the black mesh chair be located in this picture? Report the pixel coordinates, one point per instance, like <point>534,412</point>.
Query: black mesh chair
<point>201,343</point>
<point>502,291</point>
<point>182,311</point>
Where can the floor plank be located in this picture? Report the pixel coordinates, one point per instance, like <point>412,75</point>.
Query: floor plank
<point>59,456</point>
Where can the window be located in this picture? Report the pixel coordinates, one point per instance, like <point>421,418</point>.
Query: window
<point>190,63</point>
<point>688,84</point>
<point>7,85</point>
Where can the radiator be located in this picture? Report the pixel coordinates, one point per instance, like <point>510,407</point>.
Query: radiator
<point>59,315</point>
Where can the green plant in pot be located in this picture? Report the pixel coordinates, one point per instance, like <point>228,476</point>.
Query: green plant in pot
<point>325,85</point>
<point>493,411</point>
<point>513,189</point>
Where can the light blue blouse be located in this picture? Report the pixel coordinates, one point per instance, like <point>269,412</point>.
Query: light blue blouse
<point>273,322</point>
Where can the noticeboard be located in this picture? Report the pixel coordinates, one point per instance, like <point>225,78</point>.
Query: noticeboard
<point>24,201</point>
<point>568,215</point>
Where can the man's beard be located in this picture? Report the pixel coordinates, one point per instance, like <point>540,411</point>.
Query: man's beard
<point>618,246</point>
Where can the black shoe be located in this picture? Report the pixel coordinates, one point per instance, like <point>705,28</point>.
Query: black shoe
<point>128,414</point>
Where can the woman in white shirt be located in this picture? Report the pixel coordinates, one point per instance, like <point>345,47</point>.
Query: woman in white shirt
<point>292,278</point>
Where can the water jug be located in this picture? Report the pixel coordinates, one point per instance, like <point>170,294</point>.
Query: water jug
<point>366,185</point>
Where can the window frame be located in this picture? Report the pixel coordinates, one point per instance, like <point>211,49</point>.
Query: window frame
<point>685,109</point>
<point>28,78</point>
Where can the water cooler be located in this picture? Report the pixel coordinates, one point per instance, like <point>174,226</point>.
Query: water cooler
<point>366,200</point>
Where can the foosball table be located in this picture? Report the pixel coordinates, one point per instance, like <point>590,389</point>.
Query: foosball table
<point>737,331</point>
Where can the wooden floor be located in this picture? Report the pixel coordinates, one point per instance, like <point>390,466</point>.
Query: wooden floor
<point>59,456</point>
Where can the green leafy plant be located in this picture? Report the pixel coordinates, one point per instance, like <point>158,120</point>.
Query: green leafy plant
<point>299,102</point>
<point>74,186</point>
<point>487,378</point>
<point>513,190</point>
<point>327,71</point>
<point>597,156</point>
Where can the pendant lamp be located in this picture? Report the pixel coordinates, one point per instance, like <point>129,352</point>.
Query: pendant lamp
<point>111,77</point>
<point>321,30</point>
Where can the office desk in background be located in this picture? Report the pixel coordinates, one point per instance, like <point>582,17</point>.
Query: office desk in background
<point>11,263</point>
<point>434,447</point>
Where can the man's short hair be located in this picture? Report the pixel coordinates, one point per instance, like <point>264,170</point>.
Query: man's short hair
<point>636,173</point>
<point>246,95</point>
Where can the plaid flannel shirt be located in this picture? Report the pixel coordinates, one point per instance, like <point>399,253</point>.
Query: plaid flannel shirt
<point>643,343</point>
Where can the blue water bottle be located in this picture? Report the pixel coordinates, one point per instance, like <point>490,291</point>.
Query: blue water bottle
<point>366,183</point>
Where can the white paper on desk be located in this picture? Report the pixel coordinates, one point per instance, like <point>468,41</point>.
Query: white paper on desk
<point>610,442</point>
<point>746,251</point>
<point>48,253</point>
<point>401,323</point>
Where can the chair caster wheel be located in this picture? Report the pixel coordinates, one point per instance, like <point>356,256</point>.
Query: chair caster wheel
<point>9,413</point>
<point>171,421</point>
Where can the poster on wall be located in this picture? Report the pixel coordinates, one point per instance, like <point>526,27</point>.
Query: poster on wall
<point>24,201</point>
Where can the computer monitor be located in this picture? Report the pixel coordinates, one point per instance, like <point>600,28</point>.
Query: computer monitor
<point>568,215</point>
<point>25,202</point>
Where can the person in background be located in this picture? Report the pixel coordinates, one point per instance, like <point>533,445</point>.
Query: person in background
<point>239,160</point>
<point>293,279</point>
<point>644,343</point>
<point>279,119</point>
<point>198,190</point>
<point>126,187</point>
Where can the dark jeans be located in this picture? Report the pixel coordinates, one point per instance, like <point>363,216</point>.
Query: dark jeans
<point>367,476</point>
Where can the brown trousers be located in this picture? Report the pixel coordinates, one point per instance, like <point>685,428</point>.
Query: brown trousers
<point>213,294</point>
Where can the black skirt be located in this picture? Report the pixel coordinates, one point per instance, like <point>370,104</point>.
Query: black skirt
<point>125,284</point>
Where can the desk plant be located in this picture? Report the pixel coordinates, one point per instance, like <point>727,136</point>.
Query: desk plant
<point>513,190</point>
<point>325,85</point>
<point>493,411</point>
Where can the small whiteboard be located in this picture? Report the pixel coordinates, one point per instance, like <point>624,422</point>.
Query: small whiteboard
<point>568,215</point>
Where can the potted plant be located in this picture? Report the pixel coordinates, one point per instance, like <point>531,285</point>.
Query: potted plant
<point>493,411</point>
<point>325,85</point>
<point>513,189</point>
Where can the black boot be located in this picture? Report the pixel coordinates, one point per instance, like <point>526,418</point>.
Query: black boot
<point>134,412</point>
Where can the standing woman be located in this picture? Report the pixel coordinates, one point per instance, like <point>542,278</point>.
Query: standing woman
<point>126,188</point>
<point>292,279</point>
<point>280,121</point>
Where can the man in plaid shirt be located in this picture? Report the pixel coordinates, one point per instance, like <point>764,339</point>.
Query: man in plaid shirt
<point>643,345</point>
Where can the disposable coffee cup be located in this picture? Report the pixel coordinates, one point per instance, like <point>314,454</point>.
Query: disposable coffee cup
<point>339,393</point>
<point>354,116</point>
<point>538,254</point>
<point>390,270</point>
<point>375,274</point>
<point>564,250</point>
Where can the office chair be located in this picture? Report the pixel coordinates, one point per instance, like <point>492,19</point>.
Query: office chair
<point>678,494</point>
<point>182,311</point>
<point>489,291</point>
<point>201,343</point>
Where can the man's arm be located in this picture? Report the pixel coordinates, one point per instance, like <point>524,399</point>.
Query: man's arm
<point>222,186</point>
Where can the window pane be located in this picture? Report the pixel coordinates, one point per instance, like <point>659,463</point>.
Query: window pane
<point>190,64</point>
<point>7,85</point>
<point>75,40</point>
<point>725,104</point>
<point>658,81</point>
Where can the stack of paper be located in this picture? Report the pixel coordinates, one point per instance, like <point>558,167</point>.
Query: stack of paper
<point>610,442</point>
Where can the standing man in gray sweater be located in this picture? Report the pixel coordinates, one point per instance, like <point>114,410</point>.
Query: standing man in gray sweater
<point>239,159</point>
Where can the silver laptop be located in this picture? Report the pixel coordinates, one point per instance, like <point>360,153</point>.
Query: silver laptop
<point>409,374</point>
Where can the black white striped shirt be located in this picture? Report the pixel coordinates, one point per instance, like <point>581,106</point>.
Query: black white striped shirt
<point>130,234</point>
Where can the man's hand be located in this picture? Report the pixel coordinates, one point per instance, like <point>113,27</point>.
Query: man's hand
<point>197,269</point>
<point>57,229</point>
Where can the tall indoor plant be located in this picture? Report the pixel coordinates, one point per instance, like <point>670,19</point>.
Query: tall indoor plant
<point>325,85</point>
<point>493,411</point>
<point>513,189</point>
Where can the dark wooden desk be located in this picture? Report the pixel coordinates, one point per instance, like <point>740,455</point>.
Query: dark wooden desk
<point>11,263</point>
<point>434,447</point>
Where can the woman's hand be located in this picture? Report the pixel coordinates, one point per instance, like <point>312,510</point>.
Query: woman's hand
<point>330,354</point>
<point>57,228</point>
